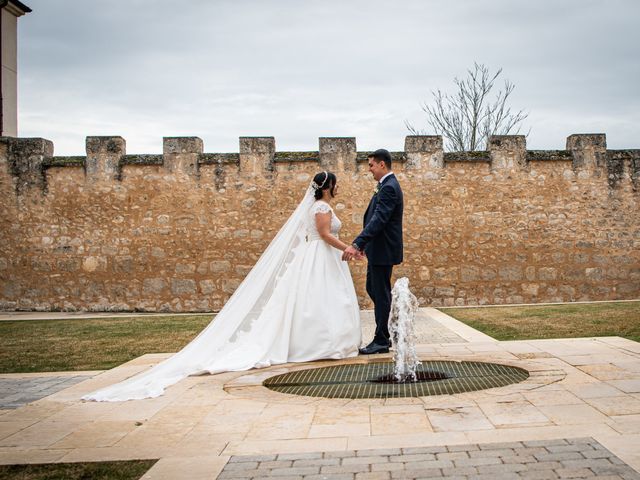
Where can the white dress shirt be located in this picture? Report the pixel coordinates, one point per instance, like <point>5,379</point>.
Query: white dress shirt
<point>382,179</point>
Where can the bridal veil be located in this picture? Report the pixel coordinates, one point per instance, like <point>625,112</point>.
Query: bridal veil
<point>216,348</point>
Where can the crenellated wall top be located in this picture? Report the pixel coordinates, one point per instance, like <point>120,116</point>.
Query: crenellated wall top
<point>29,158</point>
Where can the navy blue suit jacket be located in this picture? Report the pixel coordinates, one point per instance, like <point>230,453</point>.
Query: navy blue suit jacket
<point>381,238</point>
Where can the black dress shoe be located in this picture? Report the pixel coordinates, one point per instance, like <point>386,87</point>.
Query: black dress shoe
<point>374,348</point>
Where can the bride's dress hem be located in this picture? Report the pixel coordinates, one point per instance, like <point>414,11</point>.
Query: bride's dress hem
<point>158,392</point>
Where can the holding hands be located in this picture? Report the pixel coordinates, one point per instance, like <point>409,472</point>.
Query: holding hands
<point>351,253</point>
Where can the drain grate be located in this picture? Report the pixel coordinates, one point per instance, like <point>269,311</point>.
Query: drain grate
<point>362,380</point>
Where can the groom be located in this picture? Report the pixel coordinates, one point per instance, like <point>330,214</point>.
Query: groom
<point>381,241</point>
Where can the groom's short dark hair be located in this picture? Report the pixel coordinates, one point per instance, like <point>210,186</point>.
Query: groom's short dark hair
<point>382,155</point>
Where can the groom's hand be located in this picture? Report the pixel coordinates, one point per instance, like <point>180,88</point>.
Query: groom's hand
<point>350,253</point>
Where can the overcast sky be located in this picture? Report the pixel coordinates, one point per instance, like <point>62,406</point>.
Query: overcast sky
<point>298,70</point>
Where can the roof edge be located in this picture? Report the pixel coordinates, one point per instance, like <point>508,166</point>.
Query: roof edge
<point>16,7</point>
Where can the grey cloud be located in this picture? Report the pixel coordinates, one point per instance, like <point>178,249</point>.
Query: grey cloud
<point>300,70</point>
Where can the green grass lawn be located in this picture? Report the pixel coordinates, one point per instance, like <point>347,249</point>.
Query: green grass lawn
<point>128,470</point>
<point>554,321</point>
<point>102,343</point>
<point>91,344</point>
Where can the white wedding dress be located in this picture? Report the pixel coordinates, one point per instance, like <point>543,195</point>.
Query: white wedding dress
<point>297,304</point>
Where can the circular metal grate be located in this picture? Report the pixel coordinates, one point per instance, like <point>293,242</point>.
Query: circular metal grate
<point>367,380</point>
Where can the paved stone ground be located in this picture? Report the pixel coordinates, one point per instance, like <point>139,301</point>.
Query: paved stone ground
<point>427,329</point>
<point>578,458</point>
<point>16,392</point>
<point>587,388</point>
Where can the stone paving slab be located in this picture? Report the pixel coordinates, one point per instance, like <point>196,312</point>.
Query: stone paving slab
<point>17,392</point>
<point>576,458</point>
<point>427,327</point>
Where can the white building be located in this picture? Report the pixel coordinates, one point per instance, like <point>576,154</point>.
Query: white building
<point>10,11</point>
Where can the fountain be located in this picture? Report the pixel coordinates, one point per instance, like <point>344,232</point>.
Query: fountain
<point>406,376</point>
<point>404,305</point>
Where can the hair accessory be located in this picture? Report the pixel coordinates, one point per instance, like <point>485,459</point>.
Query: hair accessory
<point>315,186</point>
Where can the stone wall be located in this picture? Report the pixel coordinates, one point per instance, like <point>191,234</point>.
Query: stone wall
<point>179,231</point>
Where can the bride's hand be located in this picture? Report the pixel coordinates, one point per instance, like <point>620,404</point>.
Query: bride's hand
<point>350,253</point>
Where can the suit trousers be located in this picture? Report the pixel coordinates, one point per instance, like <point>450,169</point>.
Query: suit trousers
<point>379,290</point>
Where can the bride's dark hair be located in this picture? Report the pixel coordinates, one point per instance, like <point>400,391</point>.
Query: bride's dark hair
<point>324,181</point>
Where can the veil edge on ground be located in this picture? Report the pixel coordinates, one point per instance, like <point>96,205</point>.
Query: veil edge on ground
<point>237,316</point>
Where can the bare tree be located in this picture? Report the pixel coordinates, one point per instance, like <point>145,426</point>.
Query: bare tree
<point>469,117</point>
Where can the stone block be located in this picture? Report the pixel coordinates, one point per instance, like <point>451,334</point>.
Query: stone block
<point>220,266</point>
<point>508,152</point>
<point>589,151</point>
<point>316,462</point>
<point>593,273</point>
<point>489,274</point>
<point>366,460</point>
<point>510,272</point>
<point>424,152</point>
<point>203,267</point>
<point>340,454</point>
<point>452,455</point>
<point>445,274</point>
<point>207,287</point>
<point>530,289</point>
<point>68,264</point>
<point>42,264</point>
<point>344,469</point>
<point>547,273</point>
<point>424,273</point>
<point>257,155</point>
<point>181,145</point>
<point>239,474</point>
<point>251,458</point>
<point>417,471</point>
<point>291,472</point>
<point>628,289</point>
<point>182,154</point>
<point>501,469</point>
<point>103,158</point>
<point>469,273</point>
<point>338,154</point>
<point>183,286</point>
<point>277,464</point>
<point>241,466</point>
<point>26,158</point>
<point>477,461</point>
<point>185,268</point>
<point>123,264</point>
<point>445,291</point>
<point>229,285</point>
<point>320,476</point>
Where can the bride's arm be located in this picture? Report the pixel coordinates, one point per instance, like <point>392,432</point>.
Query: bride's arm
<point>323,224</point>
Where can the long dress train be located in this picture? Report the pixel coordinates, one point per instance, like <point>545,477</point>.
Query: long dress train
<point>297,304</point>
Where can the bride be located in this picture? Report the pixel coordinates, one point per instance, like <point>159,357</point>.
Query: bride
<point>297,304</point>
